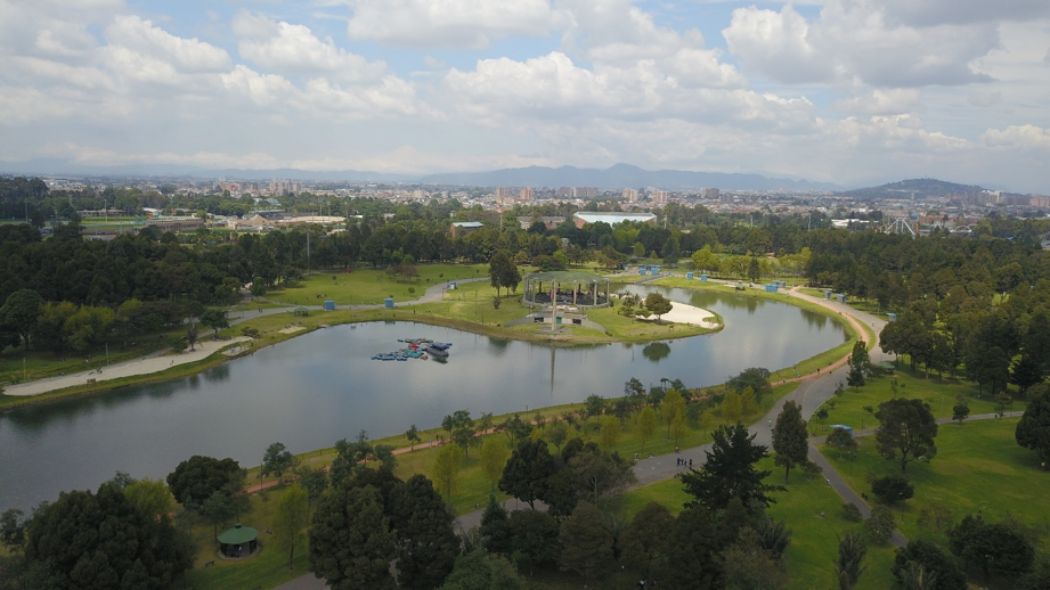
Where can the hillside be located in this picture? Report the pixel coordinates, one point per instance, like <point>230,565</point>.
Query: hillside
<point>919,187</point>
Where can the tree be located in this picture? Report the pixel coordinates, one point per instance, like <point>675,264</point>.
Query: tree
<point>694,544</point>
<point>351,544</point>
<point>277,460</point>
<point>644,543</point>
<point>729,472</point>
<point>923,561</point>
<point>412,434</point>
<point>218,509</point>
<point>994,549</point>
<point>678,428</point>
<point>534,539</point>
<point>590,472</point>
<point>892,489</point>
<point>197,478</point>
<point>849,563</point>
<point>747,565</point>
<point>960,411</point>
<point>673,404</point>
<point>191,333</point>
<point>480,570</point>
<point>879,525</point>
<point>216,320</point>
<point>1026,371</point>
<point>290,519</point>
<point>609,431</point>
<point>527,471</point>
<point>426,544</point>
<point>646,424</point>
<point>657,304</point>
<point>20,312</point>
<point>755,378</point>
<point>594,405</point>
<point>1033,430</point>
<point>99,541</point>
<point>313,481</point>
<point>446,469</point>
<point>906,430</point>
<point>460,427</point>
<point>790,438</point>
<point>859,364</point>
<point>151,497</point>
<point>753,270</point>
<point>841,439</point>
<point>493,457</point>
<point>494,531</point>
<point>12,528</point>
<point>587,543</point>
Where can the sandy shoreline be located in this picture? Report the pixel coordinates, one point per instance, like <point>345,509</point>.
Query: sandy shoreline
<point>683,313</point>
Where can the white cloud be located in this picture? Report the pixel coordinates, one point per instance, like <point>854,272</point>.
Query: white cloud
<point>1018,137</point>
<point>294,48</point>
<point>888,101</point>
<point>554,88</point>
<point>451,23</point>
<point>140,41</point>
<point>854,40</point>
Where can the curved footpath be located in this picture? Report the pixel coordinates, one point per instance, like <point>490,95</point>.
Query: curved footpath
<point>813,390</point>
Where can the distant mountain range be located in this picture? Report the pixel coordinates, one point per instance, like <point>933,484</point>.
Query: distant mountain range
<point>615,177</point>
<point>919,188</point>
<point>622,176</point>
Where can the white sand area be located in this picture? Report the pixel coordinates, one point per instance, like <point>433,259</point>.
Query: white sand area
<point>683,313</point>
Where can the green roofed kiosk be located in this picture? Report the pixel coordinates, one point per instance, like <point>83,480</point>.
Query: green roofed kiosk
<point>239,541</point>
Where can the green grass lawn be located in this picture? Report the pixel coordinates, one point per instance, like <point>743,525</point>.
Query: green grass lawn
<point>371,285</point>
<point>265,569</point>
<point>978,468</point>
<point>939,393</point>
<point>813,512</point>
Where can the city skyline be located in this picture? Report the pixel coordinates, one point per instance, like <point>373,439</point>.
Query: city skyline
<point>841,91</point>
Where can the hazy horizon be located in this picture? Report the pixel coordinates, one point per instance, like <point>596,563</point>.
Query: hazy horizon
<point>849,92</point>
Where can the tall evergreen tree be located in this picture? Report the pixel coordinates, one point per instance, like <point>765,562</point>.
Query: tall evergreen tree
<point>790,439</point>
<point>426,543</point>
<point>351,544</point>
<point>729,472</point>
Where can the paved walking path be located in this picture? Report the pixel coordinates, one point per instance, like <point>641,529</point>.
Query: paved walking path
<point>140,366</point>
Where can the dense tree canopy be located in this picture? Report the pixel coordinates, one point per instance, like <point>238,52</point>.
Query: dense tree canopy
<point>100,541</point>
<point>197,478</point>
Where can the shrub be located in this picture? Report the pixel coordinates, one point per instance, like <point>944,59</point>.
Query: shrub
<point>879,526</point>
<point>892,489</point>
<point>250,332</point>
<point>851,513</point>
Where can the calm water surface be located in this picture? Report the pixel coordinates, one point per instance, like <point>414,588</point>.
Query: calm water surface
<point>315,389</point>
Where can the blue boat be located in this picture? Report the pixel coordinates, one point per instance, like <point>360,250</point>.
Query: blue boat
<point>438,353</point>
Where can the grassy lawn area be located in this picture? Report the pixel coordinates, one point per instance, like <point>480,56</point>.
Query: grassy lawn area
<point>265,569</point>
<point>978,468</point>
<point>371,285</point>
<point>939,393</point>
<point>813,512</point>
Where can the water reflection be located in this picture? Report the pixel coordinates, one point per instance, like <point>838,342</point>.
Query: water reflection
<point>656,351</point>
<point>315,389</point>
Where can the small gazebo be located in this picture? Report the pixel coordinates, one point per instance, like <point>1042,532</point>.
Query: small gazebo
<point>239,541</point>
<point>566,287</point>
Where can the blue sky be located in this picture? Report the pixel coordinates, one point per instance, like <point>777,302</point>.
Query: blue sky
<point>846,91</point>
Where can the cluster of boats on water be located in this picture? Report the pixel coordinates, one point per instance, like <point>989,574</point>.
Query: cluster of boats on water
<point>417,348</point>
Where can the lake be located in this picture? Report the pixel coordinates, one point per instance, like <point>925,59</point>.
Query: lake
<point>312,390</point>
